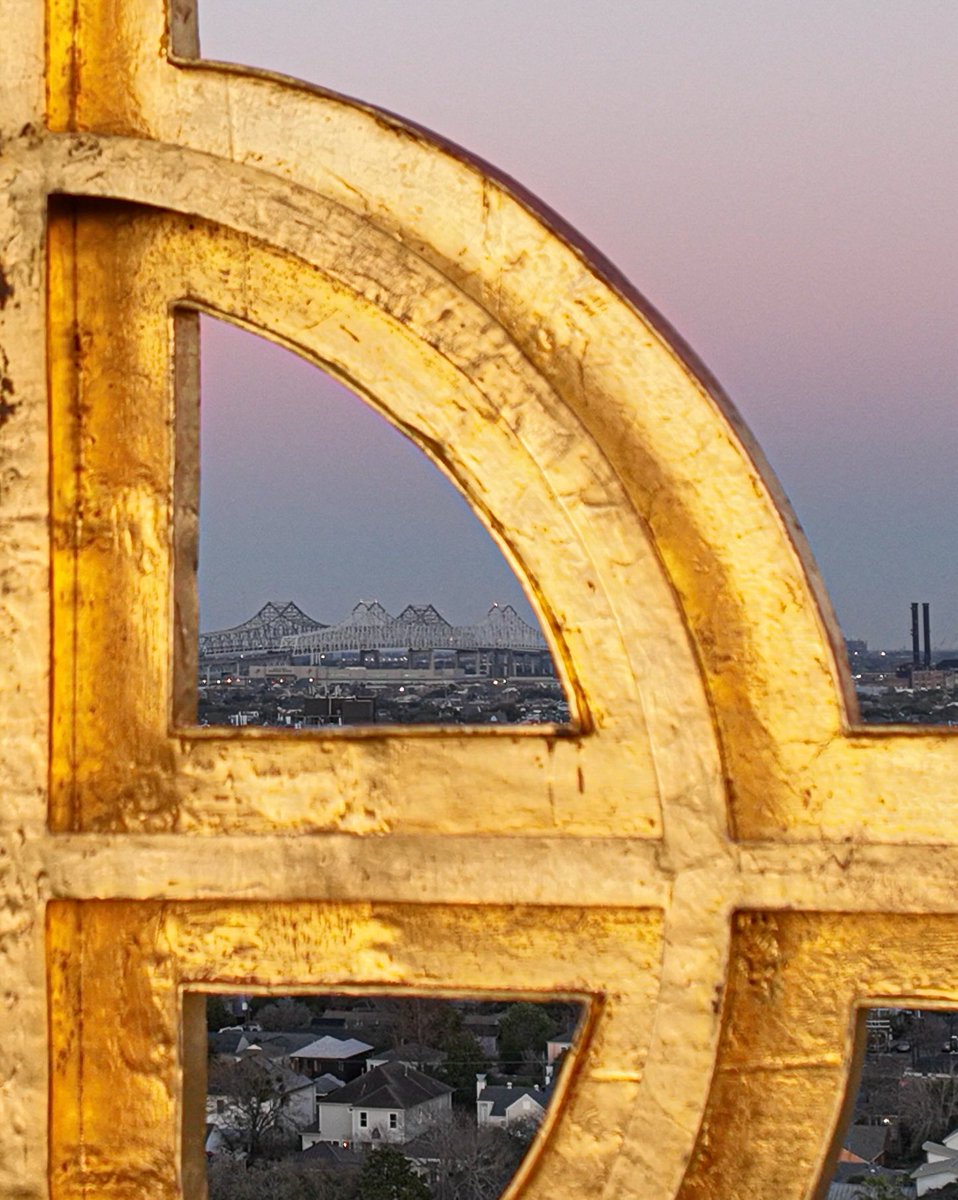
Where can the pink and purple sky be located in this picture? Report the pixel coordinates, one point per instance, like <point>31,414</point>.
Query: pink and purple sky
<point>780,179</point>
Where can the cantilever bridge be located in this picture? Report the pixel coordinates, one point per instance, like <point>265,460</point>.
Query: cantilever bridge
<point>283,626</point>
<point>263,632</point>
<point>418,627</point>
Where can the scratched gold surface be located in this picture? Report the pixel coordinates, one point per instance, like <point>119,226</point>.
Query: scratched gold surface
<point>710,849</point>
<point>144,958</point>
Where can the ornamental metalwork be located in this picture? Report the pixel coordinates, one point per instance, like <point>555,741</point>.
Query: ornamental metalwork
<point>723,866</point>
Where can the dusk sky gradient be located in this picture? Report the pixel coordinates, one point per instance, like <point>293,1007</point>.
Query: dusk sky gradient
<point>779,179</point>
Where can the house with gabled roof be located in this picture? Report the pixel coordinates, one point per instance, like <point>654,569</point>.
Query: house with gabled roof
<point>940,1166</point>
<point>226,1041</point>
<point>508,1104</point>
<point>861,1181</point>
<point>330,1155</point>
<point>343,1057</point>
<point>276,1044</point>
<point>411,1053</point>
<point>484,1027</point>
<point>864,1144</point>
<point>327,1083</point>
<point>392,1103</point>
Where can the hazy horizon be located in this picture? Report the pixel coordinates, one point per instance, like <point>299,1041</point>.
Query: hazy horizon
<point>779,180</point>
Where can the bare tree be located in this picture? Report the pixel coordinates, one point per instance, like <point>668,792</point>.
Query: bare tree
<point>257,1118</point>
<point>388,1175</point>
<point>929,1107</point>
<point>284,1015</point>
<point>472,1163</point>
<point>421,1020</point>
<point>283,1180</point>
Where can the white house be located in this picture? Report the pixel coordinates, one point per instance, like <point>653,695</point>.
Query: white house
<point>391,1103</point>
<point>558,1045</point>
<point>508,1105</point>
<point>940,1167</point>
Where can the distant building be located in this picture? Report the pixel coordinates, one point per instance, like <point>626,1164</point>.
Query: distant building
<point>851,1181</point>
<point>508,1105</point>
<point>339,710</point>
<point>343,1057</point>
<point>410,1054</point>
<point>280,1045</point>
<point>484,1027</point>
<point>864,1144</point>
<point>392,1103</point>
<point>930,679</point>
<point>940,1166</point>
<point>558,1045</point>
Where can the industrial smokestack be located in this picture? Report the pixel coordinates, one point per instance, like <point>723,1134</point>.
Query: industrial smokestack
<point>926,621</point>
<point>915,651</point>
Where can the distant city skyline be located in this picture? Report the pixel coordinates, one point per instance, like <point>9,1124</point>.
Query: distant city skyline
<point>780,180</point>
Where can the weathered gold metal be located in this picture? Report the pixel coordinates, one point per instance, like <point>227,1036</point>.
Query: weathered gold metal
<point>710,855</point>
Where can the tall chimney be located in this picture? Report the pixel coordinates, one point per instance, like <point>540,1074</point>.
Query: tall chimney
<point>926,621</point>
<point>915,651</point>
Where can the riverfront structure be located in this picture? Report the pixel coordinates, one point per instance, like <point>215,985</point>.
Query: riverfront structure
<point>370,641</point>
